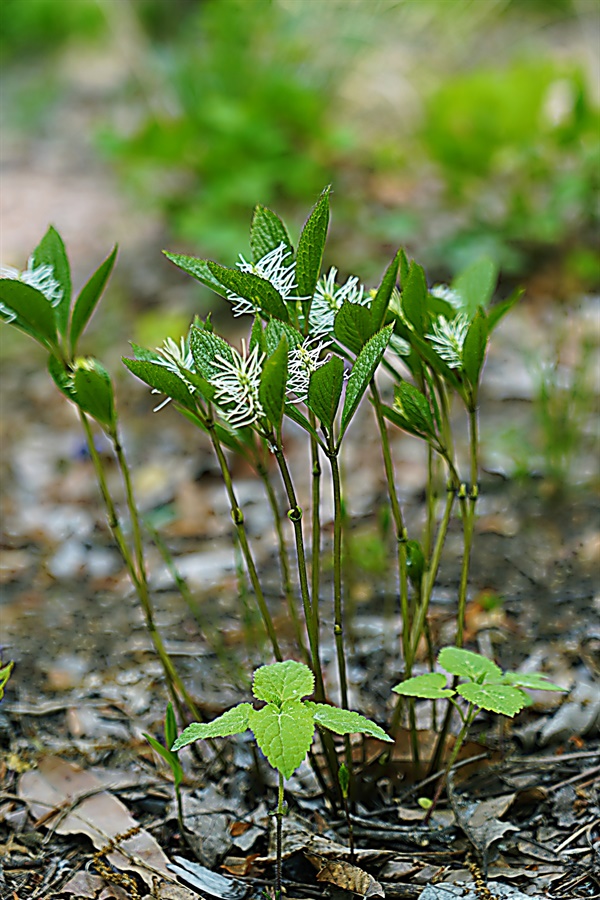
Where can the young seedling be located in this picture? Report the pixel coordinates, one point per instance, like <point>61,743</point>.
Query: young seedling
<point>283,728</point>
<point>5,672</point>
<point>171,759</point>
<point>486,687</point>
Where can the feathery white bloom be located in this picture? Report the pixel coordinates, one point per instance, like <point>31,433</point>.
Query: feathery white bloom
<point>39,277</point>
<point>177,358</point>
<point>448,339</point>
<point>303,361</point>
<point>271,268</point>
<point>237,382</point>
<point>443,292</point>
<point>328,299</point>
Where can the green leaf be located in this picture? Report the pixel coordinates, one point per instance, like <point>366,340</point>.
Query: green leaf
<point>431,686</point>
<point>267,232</point>
<point>476,284</point>
<point>234,721</point>
<point>257,336</point>
<point>468,664</point>
<point>162,380</point>
<point>415,561</point>
<point>353,326</point>
<point>93,391</point>
<point>61,378</point>
<point>499,310</point>
<point>498,698</point>
<point>288,680</point>
<point>531,680</point>
<point>311,245</point>
<point>205,346</point>
<point>51,252</point>
<point>384,292</point>
<point>273,379</point>
<point>275,330</point>
<point>404,267</point>
<point>170,725</point>
<point>88,298</point>
<point>199,269</point>
<point>293,413</point>
<point>169,757</point>
<point>344,779</point>
<point>414,298</point>
<point>345,721</point>
<point>414,407</point>
<point>283,733</point>
<point>5,672</point>
<point>325,390</point>
<point>32,309</point>
<point>426,352</point>
<point>362,372</point>
<point>474,348</point>
<point>401,421</point>
<point>257,290</point>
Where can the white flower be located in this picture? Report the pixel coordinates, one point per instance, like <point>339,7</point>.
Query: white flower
<point>271,268</point>
<point>305,359</point>
<point>237,382</point>
<point>328,299</point>
<point>178,359</point>
<point>39,277</point>
<point>443,292</point>
<point>448,339</point>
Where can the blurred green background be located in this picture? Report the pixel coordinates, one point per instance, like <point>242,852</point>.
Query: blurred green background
<point>452,127</point>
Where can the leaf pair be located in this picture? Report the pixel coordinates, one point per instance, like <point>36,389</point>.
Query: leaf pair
<point>284,727</point>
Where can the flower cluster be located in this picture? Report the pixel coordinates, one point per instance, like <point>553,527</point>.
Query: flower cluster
<point>272,268</point>
<point>328,299</point>
<point>448,338</point>
<point>305,359</point>
<point>39,277</point>
<point>237,381</point>
<point>178,359</point>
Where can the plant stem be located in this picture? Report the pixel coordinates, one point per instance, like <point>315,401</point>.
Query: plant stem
<point>467,721</point>
<point>315,571</point>
<point>468,515</point>
<point>338,627</point>
<point>279,815</point>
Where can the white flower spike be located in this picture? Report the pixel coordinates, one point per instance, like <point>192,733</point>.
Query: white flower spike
<point>328,299</point>
<point>39,277</point>
<point>271,268</point>
<point>303,361</point>
<point>237,382</point>
<point>178,359</point>
<point>448,339</point>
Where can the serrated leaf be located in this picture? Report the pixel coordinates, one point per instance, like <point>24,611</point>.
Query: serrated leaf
<point>353,326</point>
<point>362,372</point>
<point>253,288</point>
<point>51,252</point>
<point>88,298</point>
<point>325,390</point>
<point>414,407</point>
<point>32,309</point>
<point>283,733</point>
<point>384,292</point>
<point>275,330</point>
<point>273,379</point>
<point>234,721</point>
<point>414,298</point>
<point>498,698</point>
<point>499,310</point>
<point>474,348</point>
<point>400,421</point>
<point>288,680</point>
<point>267,232</point>
<point>468,664</point>
<point>93,391</point>
<point>476,284</point>
<point>311,245</point>
<point>257,336</point>
<point>162,380</point>
<point>199,269</point>
<point>531,680</point>
<point>431,686</point>
<point>205,346</point>
<point>345,721</point>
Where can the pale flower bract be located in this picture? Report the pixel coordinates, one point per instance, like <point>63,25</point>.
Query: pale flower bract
<point>237,382</point>
<point>328,299</point>
<point>448,338</point>
<point>303,361</point>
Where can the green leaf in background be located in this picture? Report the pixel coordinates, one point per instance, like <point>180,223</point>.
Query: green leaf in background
<point>198,269</point>
<point>414,298</point>
<point>414,407</point>
<point>325,390</point>
<point>431,686</point>
<point>273,381</point>
<point>362,372</point>
<point>311,245</point>
<point>476,284</point>
<point>498,698</point>
<point>253,288</point>
<point>345,721</point>
<point>288,680</point>
<point>499,310</point>
<point>93,391</point>
<point>353,326</point>
<point>205,346</point>
<point>415,561</point>
<point>234,721</point>
<point>474,348</point>
<point>468,664</point>
<point>267,232</point>
<point>32,311</point>
<point>51,252</point>
<point>531,680</point>
<point>283,733</point>
<point>88,298</point>
<point>162,380</point>
<point>382,298</point>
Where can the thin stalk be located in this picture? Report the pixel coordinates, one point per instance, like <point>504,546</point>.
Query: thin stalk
<point>467,722</point>
<point>315,571</point>
<point>468,514</point>
<point>279,815</point>
<point>238,520</point>
<point>431,499</point>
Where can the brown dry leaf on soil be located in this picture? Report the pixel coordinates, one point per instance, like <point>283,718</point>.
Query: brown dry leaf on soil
<point>345,875</point>
<point>70,800</point>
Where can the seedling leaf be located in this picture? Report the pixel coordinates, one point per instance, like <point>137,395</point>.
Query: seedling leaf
<point>498,698</point>
<point>283,733</point>
<point>278,682</point>
<point>234,721</point>
<point>468,664</point>
<point>431,686</point>
<point>534,681</point>
<point>345,721</point>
